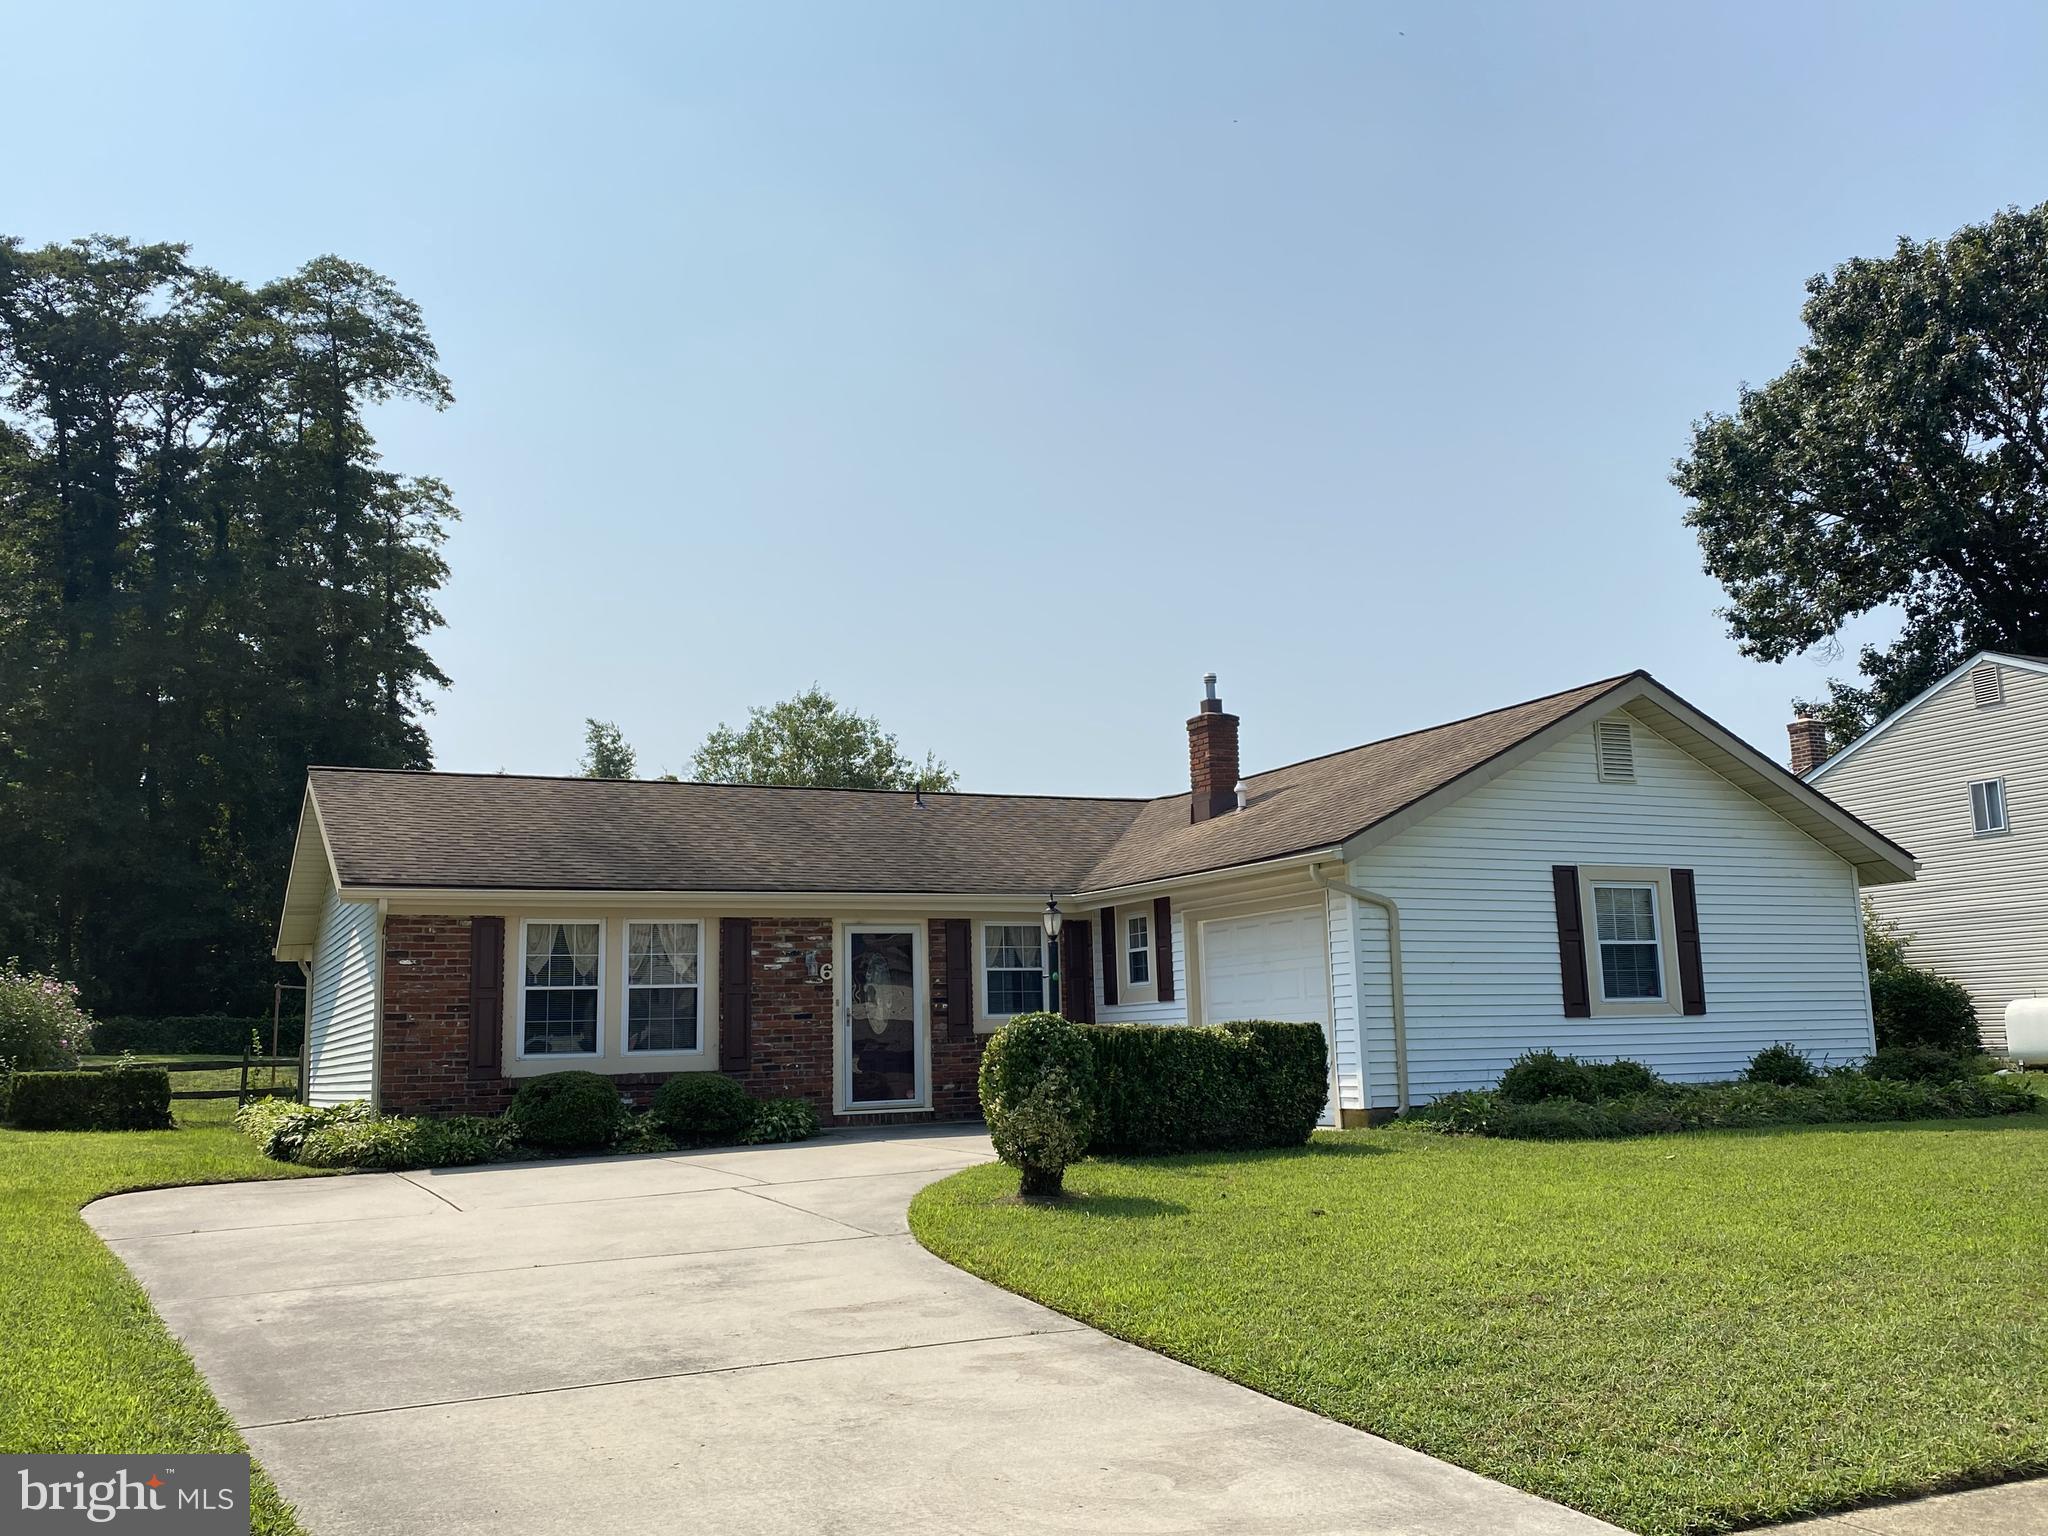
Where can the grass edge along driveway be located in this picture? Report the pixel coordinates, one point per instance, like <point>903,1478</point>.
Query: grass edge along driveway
<point>88,1365</point>
<point>1680,1334</point>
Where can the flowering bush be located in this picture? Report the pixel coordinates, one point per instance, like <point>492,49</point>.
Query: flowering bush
<point>42,1028</point>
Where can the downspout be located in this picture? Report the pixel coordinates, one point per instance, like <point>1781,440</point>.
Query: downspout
<point>1395,984</point>
<point>306,1033</point>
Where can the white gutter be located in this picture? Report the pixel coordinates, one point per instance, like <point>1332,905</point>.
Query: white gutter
<point>1396,986</point>
<point>1203,876</point>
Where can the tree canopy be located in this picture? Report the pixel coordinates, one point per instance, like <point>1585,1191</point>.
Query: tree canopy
<point>605,752</point>
<point>814,740</point>
<point>208,581</point>
<point>1900,463</point>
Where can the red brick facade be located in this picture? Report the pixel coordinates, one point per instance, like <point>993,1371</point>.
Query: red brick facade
<point>424,1061</point>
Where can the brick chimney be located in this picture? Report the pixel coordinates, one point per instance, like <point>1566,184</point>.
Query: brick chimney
<point>1212,757</point>
<point>1809,744</point>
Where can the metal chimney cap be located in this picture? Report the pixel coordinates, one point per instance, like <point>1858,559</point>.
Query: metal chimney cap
<point>1208,685</point>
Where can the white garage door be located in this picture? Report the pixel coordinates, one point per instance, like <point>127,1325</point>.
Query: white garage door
<point>1267,967</point>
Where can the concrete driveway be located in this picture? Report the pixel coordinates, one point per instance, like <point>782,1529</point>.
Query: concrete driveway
<point>729,1342</point>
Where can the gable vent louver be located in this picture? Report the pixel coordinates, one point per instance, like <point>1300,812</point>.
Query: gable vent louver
<point>1614,752</point>
<point>1987,684</point>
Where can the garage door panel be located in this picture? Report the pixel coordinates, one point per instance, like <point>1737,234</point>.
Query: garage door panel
<point>1266,967</point>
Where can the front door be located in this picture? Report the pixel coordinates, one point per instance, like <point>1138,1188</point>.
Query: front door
<point>883,1061</point>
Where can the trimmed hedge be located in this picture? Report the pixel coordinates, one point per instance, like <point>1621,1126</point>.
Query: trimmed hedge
<point>572,1111</point>
<point>201,1034</point>
<point>1837,1097</point>
<point>703,1108</point>
<point>126,1099</point>
<point>1195,1088</point>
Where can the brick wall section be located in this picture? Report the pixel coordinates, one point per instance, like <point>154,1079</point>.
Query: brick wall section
<point>790,1051</point>
<point>424,1064</point>
<point>424,1068</point>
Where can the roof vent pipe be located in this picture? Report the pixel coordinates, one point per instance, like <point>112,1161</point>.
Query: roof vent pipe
<point>1244,795</point>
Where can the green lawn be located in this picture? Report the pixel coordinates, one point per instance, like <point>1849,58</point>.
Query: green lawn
<point>1679,1334</point>
<point>86,1365</point>
<point>286,1078</point>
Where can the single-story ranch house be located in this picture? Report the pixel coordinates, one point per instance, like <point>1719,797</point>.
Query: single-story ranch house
<point>1605,871</point>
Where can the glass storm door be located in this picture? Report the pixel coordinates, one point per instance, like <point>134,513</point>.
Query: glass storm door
<point>882,1037</point>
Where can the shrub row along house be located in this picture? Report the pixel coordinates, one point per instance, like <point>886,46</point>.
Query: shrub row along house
<point>1605,871</point>
<point>1961,772</point>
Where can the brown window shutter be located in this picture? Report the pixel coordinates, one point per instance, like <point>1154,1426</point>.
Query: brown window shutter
<point>1112,957</point>
<point>1692,985</point>
<point>735,990</point>
<point>1571,941</point>
<point>1077,962</point>
<point>960,975</point>
<point>1162,947</point>
<point>486,991</point>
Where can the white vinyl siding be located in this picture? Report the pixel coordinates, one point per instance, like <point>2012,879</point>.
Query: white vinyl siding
<point>1978,914</point>
<point>341,1009</point>
<point>1781,944</point>
<point>1126,1012</point>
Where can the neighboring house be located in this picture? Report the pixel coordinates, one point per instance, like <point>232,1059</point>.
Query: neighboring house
<point>1605,871</point>
<point>1960,775</point>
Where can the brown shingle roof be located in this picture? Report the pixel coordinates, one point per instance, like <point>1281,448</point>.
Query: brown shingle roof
<point>498,832</point>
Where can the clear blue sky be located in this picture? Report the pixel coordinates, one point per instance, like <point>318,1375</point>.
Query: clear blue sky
<point>1005,367</point>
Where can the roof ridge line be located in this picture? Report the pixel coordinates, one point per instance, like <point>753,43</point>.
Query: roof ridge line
<point>827,789</point>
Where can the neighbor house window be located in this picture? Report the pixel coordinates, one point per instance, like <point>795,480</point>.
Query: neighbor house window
<point>558,988</point>
<point>1012,968</point>
<point>1631,951</point>
<point>1138,949</point>
<point>664,1001</point>
<point>1987,805</point>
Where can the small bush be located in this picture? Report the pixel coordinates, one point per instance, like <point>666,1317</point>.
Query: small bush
<point>1227,1087</point>
<point>280,1127</point>
<point>126,1098</point>
<point>1916,1007</point>
<point>700,1108</point>
<point>42,1028</point>
<point>203,1034</point>
<point>1622,1079</point>
<point>1783,1064</point>
<point>643,1133</point>
<point>568,1111</point>
<point>397,1141</point>
<point>783,1120</point>
<point>1924,1064</point>
<point>1037,1090</point>
<point>1535,1076</point>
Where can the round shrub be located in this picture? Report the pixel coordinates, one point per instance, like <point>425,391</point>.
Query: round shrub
<point>1783,1064</point>
<point>1916,1007</point>
<point>1535,1076</point>
<point>42,1028</point>
<point>1623,1079</point>
<point>568,1111</point>
<point>703,1107</point>
<point>1037,1090</point>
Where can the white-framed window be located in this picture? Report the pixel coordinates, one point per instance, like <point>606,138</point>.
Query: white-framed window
<point>1987,806</point>
<point>664,991</point>
<point>1628,936</point>
<point>1012,969</point>
<point>560,986</point>
<point>1138,950</point>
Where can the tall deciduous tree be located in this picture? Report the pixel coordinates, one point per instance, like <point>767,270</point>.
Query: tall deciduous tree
<point>605,753</point>
<point>1901,461</point>
<point>813,740</point>
<point>207,581</point>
